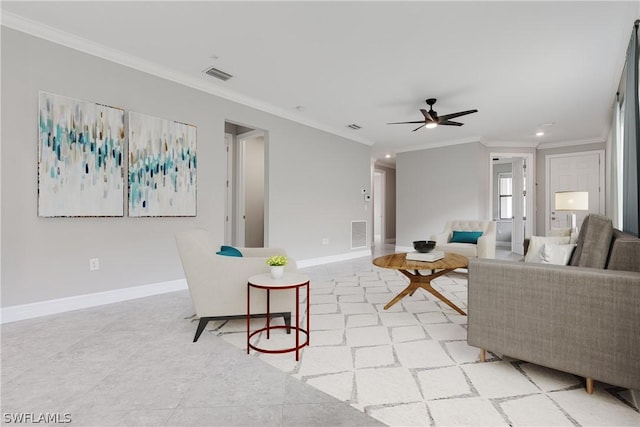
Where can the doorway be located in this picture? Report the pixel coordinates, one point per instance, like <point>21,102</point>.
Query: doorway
<point>245,184</point>
<point>511,182</point>
<point>574,172</point>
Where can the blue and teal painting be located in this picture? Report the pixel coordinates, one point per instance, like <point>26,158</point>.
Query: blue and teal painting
<point>81,149</point>
<point>162,167</point>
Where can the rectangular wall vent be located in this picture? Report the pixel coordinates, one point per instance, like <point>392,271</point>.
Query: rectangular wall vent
<point>358,234</point>
<point>218,74</point>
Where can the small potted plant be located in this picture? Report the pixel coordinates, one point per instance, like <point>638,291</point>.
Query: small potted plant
<point>276,264</point>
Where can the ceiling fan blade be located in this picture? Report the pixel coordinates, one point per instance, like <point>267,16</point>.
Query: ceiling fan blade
<point>401,123</point>
<point>454,115</point>
<point>427,115</point>
<point>419,127</point>
<point>450,123</point>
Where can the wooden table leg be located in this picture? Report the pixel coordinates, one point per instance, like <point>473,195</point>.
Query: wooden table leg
<point>418,281</point>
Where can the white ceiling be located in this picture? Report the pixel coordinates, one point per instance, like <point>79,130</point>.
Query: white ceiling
<point>521,64</point>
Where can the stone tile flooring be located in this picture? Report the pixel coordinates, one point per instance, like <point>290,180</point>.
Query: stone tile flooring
<point>133,363</point>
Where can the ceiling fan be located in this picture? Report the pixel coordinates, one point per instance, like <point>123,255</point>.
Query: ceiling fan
<point>432,120</point>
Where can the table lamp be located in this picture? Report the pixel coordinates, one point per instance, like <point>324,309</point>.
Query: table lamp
<point>572,201</point>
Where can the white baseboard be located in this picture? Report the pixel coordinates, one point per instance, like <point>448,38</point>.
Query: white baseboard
<point>333,258</point>
<point>61,305</point>
<point>78,302</point>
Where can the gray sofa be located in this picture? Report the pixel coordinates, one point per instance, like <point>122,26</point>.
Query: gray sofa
<point>583,318</point>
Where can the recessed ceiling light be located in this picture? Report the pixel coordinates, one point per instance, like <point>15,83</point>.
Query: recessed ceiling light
<point>544,125</point>
<point>387,156</point>
<point>539,133</point>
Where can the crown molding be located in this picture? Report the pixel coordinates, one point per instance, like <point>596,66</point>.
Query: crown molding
<point>54,35</point>
<point>431,145</point>
<point>510,144</point>
<point>548,145</point>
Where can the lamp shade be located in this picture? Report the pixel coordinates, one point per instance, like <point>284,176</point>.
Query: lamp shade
<point>572,201</point>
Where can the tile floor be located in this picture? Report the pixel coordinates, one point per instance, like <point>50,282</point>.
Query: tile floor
<point>133,363</point>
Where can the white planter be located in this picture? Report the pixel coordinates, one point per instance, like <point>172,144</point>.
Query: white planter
<point>277,271</point>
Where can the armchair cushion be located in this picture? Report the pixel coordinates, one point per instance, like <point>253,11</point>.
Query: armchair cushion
<point>465,236</point>
<point>229,251</point>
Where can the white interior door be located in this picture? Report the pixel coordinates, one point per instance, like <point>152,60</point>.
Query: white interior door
<point>518,204</point>
<point>574,172</point>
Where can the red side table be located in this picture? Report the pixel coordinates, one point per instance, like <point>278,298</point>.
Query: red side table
<point>268,283</point>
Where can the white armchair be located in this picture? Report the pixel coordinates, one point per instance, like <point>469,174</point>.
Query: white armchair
<point>218,283</point>
<point>485,246</point>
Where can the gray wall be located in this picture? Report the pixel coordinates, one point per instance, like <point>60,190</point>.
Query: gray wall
<point>438,185</point>
<point>312,192</point>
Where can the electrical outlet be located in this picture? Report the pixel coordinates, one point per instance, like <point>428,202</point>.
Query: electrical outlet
<point>325,240</point>
<point>94,264</point>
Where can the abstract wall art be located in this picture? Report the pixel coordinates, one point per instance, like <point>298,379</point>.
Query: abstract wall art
<point>162,167</point>
<point>80,158</point>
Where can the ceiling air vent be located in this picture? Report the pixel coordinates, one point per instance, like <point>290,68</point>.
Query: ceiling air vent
<point>214,72</point>
<point>354,126</point>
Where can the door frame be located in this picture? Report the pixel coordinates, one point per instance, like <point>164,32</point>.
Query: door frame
<point>547,189</point>
<point>229,141</point>
<point>530,158</point>
<point>382,204</point>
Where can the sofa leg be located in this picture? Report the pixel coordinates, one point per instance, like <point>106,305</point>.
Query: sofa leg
<point>201,325</point>
<point>589,385</point>
<point>483,355</point>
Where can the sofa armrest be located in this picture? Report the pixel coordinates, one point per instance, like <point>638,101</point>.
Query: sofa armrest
<point>579,320</point>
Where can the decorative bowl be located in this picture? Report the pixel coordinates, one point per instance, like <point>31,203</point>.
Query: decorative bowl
<point>424,246</point>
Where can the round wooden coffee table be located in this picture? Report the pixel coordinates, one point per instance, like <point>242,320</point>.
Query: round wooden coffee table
<point>416,280</point>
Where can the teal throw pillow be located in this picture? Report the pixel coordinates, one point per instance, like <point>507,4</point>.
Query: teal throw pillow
<point>465,237</point>
<point>229,251</point>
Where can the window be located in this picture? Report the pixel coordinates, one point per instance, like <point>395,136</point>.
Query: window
<point>505,191</point>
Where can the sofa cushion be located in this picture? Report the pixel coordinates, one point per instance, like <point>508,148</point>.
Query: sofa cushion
<point>594,241</point>
<point>625,252</point>
<point>536,245</point>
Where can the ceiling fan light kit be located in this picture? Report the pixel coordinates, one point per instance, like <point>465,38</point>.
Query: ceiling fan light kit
<point>432,120</point>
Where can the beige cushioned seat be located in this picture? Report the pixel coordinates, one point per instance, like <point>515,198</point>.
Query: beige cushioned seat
<point>485,248</point>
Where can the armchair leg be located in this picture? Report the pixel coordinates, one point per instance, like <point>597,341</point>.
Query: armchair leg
<point>201,325</point>
<point>287,321</point>
<point>483,355</point>
<point>589,385</point>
